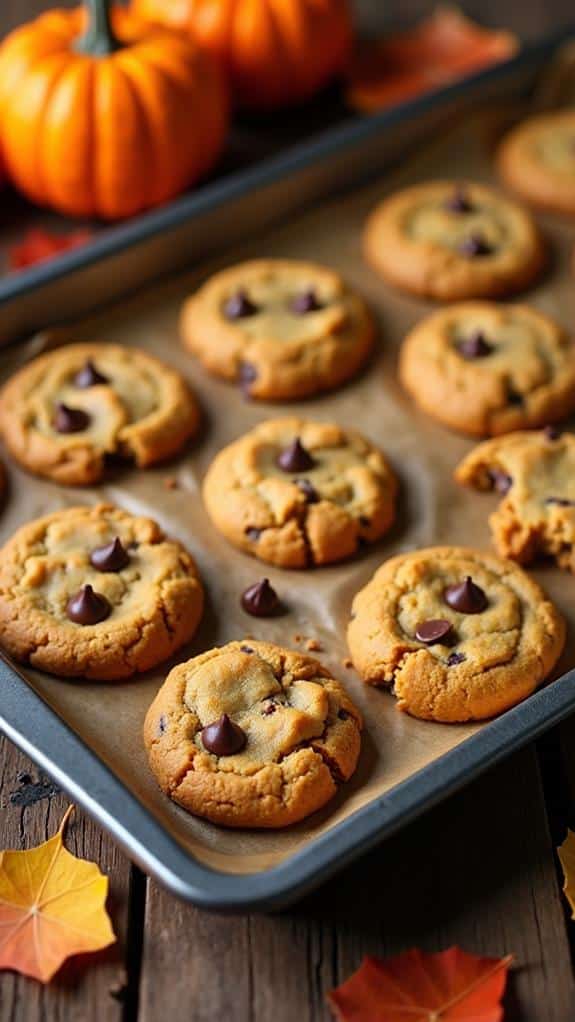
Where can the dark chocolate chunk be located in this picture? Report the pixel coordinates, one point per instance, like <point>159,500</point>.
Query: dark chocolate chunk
<point>455,658</point>
<point>269,708</point>
<point>295,458</point>
<point>239,306</point>
<point>436,630</point>
<point>246,649</point>
<point>112,557</point>
<point>310,493</point>
<point>253,533</point>
<point>514,397</point>
<point>475,346</point>
<point>501,481</point>
<point>247,374</point>
<point>70,420</point>
<point>305,302</point>
<point>162,726</point>
<point>88,607</point>
<point>261,600</point>
<point>364,521</point>
<point>343,714</point>
<point>474,246</point>
<point>552,432</point>
<point>559,501</point>
<point>89,377</point>
<point>466,597</point>
<point>223,737</point>
<point>458,202</point>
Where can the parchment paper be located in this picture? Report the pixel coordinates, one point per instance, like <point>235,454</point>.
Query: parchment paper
<point>432,510</point>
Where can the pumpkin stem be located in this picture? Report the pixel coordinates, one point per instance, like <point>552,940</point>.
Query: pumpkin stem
<point>99,39</point>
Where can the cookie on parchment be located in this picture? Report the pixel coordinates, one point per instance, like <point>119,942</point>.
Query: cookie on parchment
<point>535,474</point>
<point>483,368</point>
<point>282,329</point>
<point>70,411</point>
<point>252,735</point>
<point>450,241</point>
<point>297,493</point>
<point>457,635</point>
<point>95,592</point>
<point>537,160</point>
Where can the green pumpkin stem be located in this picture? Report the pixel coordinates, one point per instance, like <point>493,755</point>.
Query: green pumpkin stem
<point>98,39</point>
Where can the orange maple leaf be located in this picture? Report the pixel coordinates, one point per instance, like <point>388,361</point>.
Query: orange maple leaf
<point>51,907</point>
<point>451,986</point>
<point>566,853</point>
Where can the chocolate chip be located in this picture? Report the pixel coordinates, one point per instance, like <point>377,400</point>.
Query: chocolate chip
<point>70,420</point>
<point>501,481</point>
<point>475,346</point>
<point>435,630</point>
<point>305,302</point>
<point>269,708</point>
<point>246,649</point>
<point>295,458</point>
<point>89,377</point>
<point>252,533</point>
<point>455,658</point>
<point>474,245</point>
<point>112,557</point>
<point>310,493</point>
<point>458,202</point>
<point>559,501</point>
<point>223,737</point>
<point>364,521</point>
<point>162,725</point>
<point>343,714</point>
<point>552,432</point>
<point>247,374</point>
<point>466,597</point>
<point>261,600</point>
<point>239,306</point>
<point>88,607</point>
<point>514,397</point>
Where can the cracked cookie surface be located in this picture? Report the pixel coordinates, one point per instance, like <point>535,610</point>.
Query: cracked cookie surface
<point>482,660</point>
<point>301,735</point>
<point>282,329</point>
<point>148,586</point>
<point>334,491</point>
<point>537,160</point>
<point>68,411</point>
<point>535,473</point>
<point>449,241</point>
<point>483,368</point>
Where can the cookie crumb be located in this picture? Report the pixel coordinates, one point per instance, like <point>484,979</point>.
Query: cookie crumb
<point>314,646</point>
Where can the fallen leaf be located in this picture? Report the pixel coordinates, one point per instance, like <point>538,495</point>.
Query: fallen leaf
<point>451,986</point>
<point>37,245</point>
<point>440,49</point>
<point>566,853</point>
<point>52,905</point>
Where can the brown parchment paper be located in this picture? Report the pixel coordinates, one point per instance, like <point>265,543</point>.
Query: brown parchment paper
<point>432,510</point>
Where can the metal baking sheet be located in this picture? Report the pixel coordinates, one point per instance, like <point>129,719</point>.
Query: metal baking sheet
<point>88,735</point>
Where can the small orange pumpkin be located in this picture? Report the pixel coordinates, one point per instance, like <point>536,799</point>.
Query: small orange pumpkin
<point>107,122</point>
<point>276,52</point>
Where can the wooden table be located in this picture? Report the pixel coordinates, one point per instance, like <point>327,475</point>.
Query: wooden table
<point>479,871</point>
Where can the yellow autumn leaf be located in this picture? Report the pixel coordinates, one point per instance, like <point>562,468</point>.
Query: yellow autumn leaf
<point>566,853</point>
<point>52,905</point>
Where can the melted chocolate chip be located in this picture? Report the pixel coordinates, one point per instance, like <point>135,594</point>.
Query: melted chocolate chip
<point>261,600</point>
<point>552,432</point>
<point>246,649</point>
<point>247,374</point>
<point>435,630</point>
<point>458,202</point>
<point>223,737</point>
<point>239,306</point>
<point>310,493</point>
<point>364,521</point>
<point>295,458</point>
<point>501,481</point>
<point>466,597</point>
<point>514,397</point>
<point>112,557</point>
<point>162,726</point>
<point>88,607</point>
<point>560,501</point>
<point>455,658</point>
<point>474,246</point>
<point>252,533</point>
<point>475,346</point>
<point>343,714</point>
<point>269,708</point>
<point>305,302</point>
<point>89,377</point>
<point>70,420</point>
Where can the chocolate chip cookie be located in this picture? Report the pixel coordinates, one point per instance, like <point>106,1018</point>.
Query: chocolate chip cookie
<point>456,634</point>
<point>483,368</point>
<point>535,475</point>
<point>449,241</point>
<point>281,329</point>
<point>252,735</point>
<point>297,493</point>
<point>71,411</point>
<point>95,592</point>
<point>537,160</point>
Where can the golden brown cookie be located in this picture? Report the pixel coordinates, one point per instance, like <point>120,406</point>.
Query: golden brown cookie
<point>282,329</point>
<point>535,474</point>
<point>297,493</point>
<point>450,241</point>
<point>69,411</point>
<point>456,634</point>
<point>95,592</point>
<point>537,160</point>
<point>483,368</point>
<point>252,735</point>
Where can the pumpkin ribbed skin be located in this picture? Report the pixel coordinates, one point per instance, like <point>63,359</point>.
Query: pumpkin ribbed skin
<point>276,51</point>
<point>107,136</point>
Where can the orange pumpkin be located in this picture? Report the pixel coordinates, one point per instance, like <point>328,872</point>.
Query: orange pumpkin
<point>107,122</point>
<point>276,51</point>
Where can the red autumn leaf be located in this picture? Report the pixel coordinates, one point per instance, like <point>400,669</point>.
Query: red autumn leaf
<point>439,50</point>
<point>38,244</point>
<point>451,986</point>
